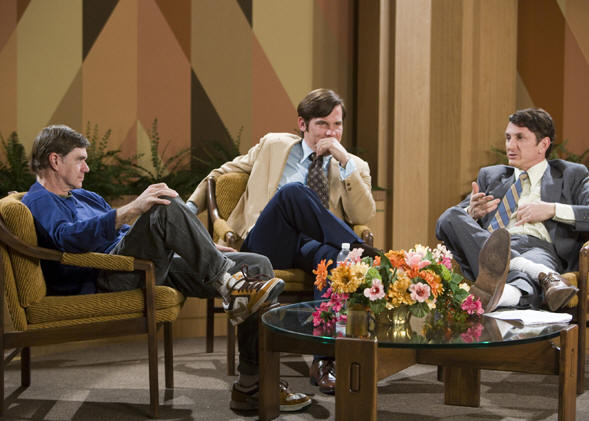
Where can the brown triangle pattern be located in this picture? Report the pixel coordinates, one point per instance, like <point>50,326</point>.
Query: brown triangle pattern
<point>95,14</point>
<point>177,14</point>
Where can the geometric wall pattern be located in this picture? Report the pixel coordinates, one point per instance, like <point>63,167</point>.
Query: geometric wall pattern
<point>206,69</point>
<point>553,64</point>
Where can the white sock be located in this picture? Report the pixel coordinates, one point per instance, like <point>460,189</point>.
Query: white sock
<point>527,266</point>
<point>223,284</point>
<point>247,381</point>
<point>510,296</point>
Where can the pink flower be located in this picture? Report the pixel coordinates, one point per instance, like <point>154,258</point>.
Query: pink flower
<point>447,262</point>
<point>376,291</point>
<point>472,334</point>
<point>420,292</point>
<point>472,305</point>
<point>355,255</point>
<point>416,260</point>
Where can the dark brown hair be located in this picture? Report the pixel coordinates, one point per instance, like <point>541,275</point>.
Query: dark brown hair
<point>60,139</point>
<point>319,103</point>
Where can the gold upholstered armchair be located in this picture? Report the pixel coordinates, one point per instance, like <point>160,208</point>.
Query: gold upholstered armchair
<point>223,194</point>
<point>39,319</point>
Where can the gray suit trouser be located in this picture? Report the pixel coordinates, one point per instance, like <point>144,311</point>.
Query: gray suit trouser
<point>465,238</point>
<point>185,258</point>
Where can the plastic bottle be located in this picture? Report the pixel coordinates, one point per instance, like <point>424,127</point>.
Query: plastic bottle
<point>343,254</point>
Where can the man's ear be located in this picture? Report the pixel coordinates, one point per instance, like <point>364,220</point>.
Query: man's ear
<point>543,145</point>
<point>54,160</point>
<point>301,124</point>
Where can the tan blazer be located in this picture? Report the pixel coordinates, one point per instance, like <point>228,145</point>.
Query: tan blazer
<point>350,199</point>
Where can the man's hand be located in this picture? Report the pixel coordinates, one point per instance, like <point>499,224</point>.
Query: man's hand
<point>224,249</point>
<point>480,203</point>
<point>535,212</point>
<point>330,145</point>
<point>150,196</point>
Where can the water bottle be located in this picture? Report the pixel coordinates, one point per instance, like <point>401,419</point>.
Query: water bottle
<point>343,254</point>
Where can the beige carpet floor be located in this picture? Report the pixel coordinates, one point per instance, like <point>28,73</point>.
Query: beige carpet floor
<point>109,382</point>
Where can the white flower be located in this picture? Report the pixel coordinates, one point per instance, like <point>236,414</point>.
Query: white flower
<point>464,286</point>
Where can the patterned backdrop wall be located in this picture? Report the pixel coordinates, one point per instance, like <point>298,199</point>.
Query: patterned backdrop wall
<point>208,70</point>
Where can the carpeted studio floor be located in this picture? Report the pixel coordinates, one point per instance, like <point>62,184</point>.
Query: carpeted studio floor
<point>109,382</point>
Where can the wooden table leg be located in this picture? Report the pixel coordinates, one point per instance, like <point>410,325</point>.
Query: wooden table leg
<point>355,387</point>
<point>568,374</point>
<point>462,386</point>
<point>269,377</point>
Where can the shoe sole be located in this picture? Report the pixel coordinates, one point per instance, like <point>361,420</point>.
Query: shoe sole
<point>295,407</point>
<point>321,389</point>
<point>564,297</point>
<point>494,260</point>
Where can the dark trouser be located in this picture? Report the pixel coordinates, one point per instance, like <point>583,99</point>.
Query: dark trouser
<point>185,258</point>
<point>296,231</point>
<point>464,237</point>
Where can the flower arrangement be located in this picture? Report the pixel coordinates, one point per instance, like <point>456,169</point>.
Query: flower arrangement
<point>420,280</point>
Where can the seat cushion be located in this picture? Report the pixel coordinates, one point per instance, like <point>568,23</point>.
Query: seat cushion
<point>64,310</point>
<point>295,279</point>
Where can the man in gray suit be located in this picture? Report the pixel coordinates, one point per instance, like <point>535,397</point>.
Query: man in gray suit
<point>515,237</point>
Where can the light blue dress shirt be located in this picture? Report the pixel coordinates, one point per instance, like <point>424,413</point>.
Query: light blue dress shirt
<point>298,162</point>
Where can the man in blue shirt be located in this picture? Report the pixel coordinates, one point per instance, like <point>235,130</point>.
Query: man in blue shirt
<point>71,219</point>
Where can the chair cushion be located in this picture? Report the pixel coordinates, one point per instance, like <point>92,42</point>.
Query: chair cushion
<point>295,279</point>
<point>109,305</point>
<point>27,271</point>
<point>229,188</point>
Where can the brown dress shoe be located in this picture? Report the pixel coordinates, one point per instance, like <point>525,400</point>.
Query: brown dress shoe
<point>493,267</point>
<point>322,374</point>
<point>557,293</point>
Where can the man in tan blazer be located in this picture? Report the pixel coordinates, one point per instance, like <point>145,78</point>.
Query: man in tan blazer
<point>281,217</point>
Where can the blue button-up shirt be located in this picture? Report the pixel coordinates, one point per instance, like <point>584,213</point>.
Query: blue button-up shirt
<point>298,162</point>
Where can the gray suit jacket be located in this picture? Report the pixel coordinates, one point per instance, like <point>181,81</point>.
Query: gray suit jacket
<point>563,182</point>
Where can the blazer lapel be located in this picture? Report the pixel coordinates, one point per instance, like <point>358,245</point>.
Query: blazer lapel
<point>550,191</point>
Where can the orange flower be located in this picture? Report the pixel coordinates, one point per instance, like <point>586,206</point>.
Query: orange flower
<point>397,258</point>
<point>433,280</point>
<point>376,261</point>
<point>398,293</point>
<point>321,274</point>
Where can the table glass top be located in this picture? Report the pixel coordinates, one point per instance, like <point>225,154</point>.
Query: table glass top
<point>406,331</point>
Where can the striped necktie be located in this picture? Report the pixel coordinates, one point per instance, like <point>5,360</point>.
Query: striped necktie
<point>508,205</point>
<point>317,180</point>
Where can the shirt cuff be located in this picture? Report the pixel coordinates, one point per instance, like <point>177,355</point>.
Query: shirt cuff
<point>564,213</point>
<point>346,171</point>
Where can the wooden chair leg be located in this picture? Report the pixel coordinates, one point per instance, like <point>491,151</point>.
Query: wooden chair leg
<point>169,354</point>
<point>25,367</point>
<point>230,349</point>
<point>210,323</point>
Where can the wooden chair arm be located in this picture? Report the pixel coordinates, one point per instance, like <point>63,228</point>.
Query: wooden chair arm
<point>218,227</point>
<point>365,233</point>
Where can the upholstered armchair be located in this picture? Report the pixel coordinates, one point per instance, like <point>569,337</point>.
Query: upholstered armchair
<point>222,196</point>
<point>39,319</point>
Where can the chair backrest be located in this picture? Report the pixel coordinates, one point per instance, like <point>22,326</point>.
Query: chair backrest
<point>23,278</point>
<point>228,191</point>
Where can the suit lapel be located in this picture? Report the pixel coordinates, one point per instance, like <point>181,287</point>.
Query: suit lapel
<point>550,191</point>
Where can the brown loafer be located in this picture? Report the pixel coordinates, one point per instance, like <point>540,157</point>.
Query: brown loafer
<point>493,268</point>
<point>557,293</point>
<point>322,374</point>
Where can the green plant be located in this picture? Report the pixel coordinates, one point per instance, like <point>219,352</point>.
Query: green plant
<point>186,168</point>
<point>110,175</point>
<point>15,173</point>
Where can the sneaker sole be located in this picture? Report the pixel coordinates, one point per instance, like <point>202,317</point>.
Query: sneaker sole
<point>295,407</point>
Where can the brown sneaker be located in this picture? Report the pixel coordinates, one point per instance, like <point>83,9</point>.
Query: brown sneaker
<point>493,267</point>
<point>247,399</point>
<point>248,294</point>
<point>557,293</point>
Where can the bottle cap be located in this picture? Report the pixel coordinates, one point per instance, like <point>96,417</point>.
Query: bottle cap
<point>345,246</point>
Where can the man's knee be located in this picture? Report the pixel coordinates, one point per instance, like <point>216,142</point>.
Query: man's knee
<point>445,221</point>
<point>292,191</point>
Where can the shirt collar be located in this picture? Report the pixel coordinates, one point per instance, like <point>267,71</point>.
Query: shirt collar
<point>535,173</point>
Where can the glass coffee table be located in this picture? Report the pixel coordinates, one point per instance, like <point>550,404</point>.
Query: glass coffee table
<point>459,350</point>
